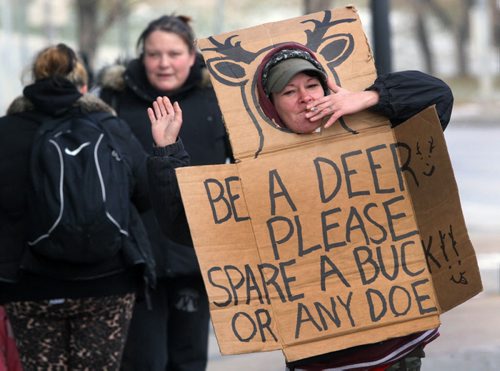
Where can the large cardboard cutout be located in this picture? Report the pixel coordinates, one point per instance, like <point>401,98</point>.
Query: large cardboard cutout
<point>315,243</point>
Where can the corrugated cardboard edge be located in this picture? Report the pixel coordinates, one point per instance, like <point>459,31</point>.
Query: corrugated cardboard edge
<point>430,115</point>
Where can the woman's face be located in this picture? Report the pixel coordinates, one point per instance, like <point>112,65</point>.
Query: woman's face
<point>291,102</point>
<point>167,60</point>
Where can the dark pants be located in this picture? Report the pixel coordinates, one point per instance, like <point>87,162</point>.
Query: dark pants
<point>71,334</point>
<point>173,336</point>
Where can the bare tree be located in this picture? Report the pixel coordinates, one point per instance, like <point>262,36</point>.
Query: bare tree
<point>460,28</point>
<point>495,10</point>
<point>91,26</point>
<point>312,6</point>
<point>422,35</point>
<point>462,36</point>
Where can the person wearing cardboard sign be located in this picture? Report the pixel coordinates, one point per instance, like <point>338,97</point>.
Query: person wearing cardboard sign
<point>295,93</point>
<point>313,83</point>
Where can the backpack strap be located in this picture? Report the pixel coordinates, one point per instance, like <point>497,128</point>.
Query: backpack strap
<point>46,121</point>
<point>98,119</point>
<point>100,116</point>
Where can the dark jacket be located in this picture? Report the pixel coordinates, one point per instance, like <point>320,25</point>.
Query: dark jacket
<point>165,193</point>
<point>27,276</point>
<point>128,91</point>
<point>404,94</point>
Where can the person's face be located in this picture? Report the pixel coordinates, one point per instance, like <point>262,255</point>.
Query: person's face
<point>167,60</point>
<point>291,102</point>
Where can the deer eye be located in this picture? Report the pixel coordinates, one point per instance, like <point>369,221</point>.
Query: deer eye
<point>230,69</point>
<point>338,50</point>
<point>227,72</point>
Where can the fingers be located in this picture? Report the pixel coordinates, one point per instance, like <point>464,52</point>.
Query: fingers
<point>326,111</point>
<point>332,85</point>
<point>332,119</point>
<point>151,115</point>
<point>320,110</point>
<point>167,105</point>
<point>162,107</point>
<point>177,109</point>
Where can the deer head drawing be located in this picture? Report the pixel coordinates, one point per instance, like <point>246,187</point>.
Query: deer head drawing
<point>233,62</point>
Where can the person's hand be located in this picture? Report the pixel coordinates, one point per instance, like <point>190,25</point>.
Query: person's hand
<point>166,121</point>
<point>339,103</point>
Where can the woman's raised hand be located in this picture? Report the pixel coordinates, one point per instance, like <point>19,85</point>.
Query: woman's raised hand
<point>166,121</point>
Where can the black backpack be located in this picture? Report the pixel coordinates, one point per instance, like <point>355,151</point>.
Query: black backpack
<point>79,198</point>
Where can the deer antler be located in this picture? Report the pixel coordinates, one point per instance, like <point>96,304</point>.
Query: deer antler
<point>315,36</point>
<point>418,149</point>
<point>431,143</point>
<point>233,51</point>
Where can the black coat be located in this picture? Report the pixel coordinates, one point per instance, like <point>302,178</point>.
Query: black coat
<point>24,275</point>
<point>203,134</point>
<point>404,94</point>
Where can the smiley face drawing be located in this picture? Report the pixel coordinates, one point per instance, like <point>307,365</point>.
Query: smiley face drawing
<point>462,280</point>
<point>425,155</point>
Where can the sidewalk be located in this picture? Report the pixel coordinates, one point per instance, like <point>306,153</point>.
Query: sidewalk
<point>470,337</point>
<point>476,113</point>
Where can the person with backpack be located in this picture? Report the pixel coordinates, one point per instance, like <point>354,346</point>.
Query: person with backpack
<point>74,254</point>
<point>174,334</point>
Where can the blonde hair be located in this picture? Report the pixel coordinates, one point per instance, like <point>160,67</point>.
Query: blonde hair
<point>59,61</point>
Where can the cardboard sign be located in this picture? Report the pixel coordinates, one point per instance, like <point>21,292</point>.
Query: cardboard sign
<point>315,243</point>
<point>448,250</point>
<point>337,39</point>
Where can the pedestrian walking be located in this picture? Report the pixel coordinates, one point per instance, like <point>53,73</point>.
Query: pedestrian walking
<point>73,250</point>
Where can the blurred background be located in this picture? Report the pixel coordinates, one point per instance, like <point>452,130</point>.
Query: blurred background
<point>456,40</point>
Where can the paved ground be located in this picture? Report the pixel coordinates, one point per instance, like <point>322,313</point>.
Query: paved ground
<point>470,337</point>
<point>477,113</point>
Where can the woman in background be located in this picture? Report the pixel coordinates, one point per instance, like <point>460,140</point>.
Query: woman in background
<point>174,334</point>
